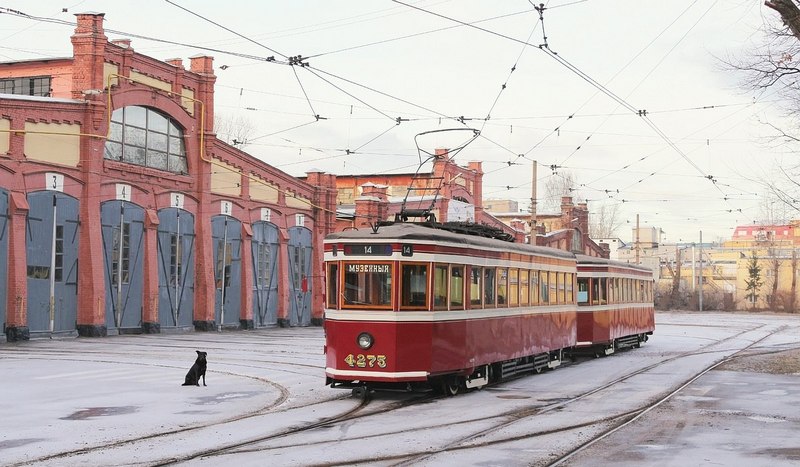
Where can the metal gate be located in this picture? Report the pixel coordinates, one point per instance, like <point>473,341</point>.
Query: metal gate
<point>51,246</point>
<point>265,274</point>
<point>175,267</point>
<point>3,253</point>
<point>123,234</point>
<point>226,238</point>
<point>300,276</point>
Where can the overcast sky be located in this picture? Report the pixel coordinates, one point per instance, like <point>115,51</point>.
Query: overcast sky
<point>693,162</point>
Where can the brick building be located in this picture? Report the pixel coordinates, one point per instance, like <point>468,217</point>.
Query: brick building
<point>124,213</point>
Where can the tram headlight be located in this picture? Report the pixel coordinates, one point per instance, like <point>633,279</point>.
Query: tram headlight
<point>365,340</point>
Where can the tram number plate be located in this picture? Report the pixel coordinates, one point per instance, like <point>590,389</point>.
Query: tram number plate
<point>365,361</point>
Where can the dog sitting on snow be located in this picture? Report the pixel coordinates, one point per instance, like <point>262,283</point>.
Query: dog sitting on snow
<point>196,371</point>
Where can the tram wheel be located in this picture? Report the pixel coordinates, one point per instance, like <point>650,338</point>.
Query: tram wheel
<point>452,385</point>
<point>360,392</point>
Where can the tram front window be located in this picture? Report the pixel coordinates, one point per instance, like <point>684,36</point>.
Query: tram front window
<point>367,285</point>
<point>414,285</point>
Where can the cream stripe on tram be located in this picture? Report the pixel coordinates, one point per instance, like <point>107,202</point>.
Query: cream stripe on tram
<point>377,374</point>
<point>443,315</point>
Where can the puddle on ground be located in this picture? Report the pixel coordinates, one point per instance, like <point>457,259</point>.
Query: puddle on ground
<point>220,398</point>
<point>15,443</point>
<point>93,412</point>
<point>513,396</point>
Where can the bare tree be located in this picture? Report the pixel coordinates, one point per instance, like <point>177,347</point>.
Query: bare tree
<point>604,221</point>
<point>776,65</point>
<point>234,130</point>
<point>775,266</point>
<point>790,14</point>
<point>774,210</point>
<point>562,183</point>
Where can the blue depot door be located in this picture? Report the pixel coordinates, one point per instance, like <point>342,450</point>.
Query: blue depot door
<point>265,274</point>
<point>299,276</point>
<point>175,267</point>
<point>123,235</point>
<point>226,238</point>
<point>51,246</point>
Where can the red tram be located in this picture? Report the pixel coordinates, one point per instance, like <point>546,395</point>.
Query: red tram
<point>615,305</point>
<point>412,305</point>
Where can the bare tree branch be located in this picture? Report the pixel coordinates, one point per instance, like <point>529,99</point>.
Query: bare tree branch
<point>790,14</point>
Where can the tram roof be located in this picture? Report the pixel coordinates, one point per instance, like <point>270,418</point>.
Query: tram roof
<point>412,231</point>
<point>593,260</point>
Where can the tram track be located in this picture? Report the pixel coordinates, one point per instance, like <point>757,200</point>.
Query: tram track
<point>366,408</point>
<point>633,416</point>
<point>472,441</point>
<point>617,421</point>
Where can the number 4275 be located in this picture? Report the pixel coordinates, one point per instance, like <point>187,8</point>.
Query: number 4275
<point>366,361</point>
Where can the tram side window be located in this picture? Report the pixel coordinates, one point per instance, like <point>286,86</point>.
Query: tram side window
<point>513,287</point>
<point>456,287</point>
<point>489,288</point>
<point>534,287</point>
<point>553,294</point>
<point>475,275</point>
<point>440,286</point>
<point>414,292</point>
<point>562,287</point>
<point>368,284</point>
<point>524,289</point>
<point>583,291</point>
<point>502,286</point>
<point>603,290</point>
<point>544,287</point>
<point>569,285</point>
<point>623,290</point>
<point>333,285</point>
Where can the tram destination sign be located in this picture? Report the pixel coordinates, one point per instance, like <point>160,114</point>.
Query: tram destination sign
<point>368,249</point>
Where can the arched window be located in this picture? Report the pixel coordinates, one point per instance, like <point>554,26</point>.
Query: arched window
<point>143,136</point>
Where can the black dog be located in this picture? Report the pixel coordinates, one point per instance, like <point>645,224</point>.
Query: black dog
<point>196,371</point>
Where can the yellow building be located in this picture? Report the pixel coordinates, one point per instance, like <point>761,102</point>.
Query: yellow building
<point>723,271</point>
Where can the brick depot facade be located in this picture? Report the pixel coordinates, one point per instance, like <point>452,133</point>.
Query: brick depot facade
<point>124,213</point>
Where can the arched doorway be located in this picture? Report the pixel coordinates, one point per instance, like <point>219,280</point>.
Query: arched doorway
<point>52,259</point>
<point>226,236</point>
<point>122,225</point>
<point>175,268</point>
<point>265,273</point>
<point>299,276</point>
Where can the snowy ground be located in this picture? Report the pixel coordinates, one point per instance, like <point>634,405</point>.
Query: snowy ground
<point>119,401</point>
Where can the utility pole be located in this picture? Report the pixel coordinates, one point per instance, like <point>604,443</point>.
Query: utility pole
<point>532,237</point>
<point>701,271</point>
<point>636,242</point>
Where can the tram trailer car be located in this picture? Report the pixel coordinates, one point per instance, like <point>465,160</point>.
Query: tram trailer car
<point>412,305</point>
<point>615,305</point>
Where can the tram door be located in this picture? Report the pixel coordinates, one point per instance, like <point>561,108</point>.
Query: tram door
<point>123,235</point>
<point>300,276</point>
<point>265,274</point>
<point>175,267</point>
<point>52,259</point>
<point>3,252</point>
<point>226,235</point>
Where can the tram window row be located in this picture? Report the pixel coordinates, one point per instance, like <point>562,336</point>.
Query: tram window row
<point>603,290</point>
<point>443,286</point>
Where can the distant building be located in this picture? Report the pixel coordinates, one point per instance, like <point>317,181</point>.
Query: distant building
<point>567,230</point>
